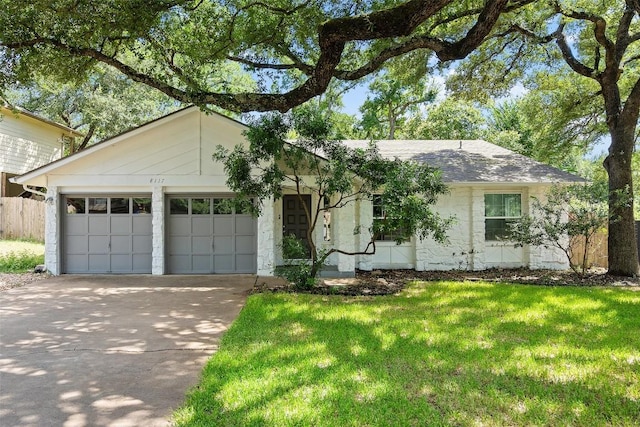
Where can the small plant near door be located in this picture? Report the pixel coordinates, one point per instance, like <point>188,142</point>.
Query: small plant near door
<point>297,264</point>
<point>312,163</point>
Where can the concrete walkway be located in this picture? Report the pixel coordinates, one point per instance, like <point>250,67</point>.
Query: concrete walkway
<point>109,350</point>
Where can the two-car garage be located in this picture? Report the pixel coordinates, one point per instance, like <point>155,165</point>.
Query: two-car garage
<point>114,234</point>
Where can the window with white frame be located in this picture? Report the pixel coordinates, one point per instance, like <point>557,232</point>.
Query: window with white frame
<point>379,215</point>
<point>500,210</point>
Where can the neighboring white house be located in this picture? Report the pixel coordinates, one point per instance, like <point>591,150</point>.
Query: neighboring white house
<point>27,141</point>
<point>152,200</point>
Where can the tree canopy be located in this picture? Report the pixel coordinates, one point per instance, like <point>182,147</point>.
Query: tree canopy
<point>104,105</point>
<point>292,48</point>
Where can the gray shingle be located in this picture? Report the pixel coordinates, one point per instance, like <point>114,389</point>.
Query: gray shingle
<point>477,161</point>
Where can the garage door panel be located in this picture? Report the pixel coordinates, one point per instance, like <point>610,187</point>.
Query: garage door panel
<point>121,244</point>
<point>245,244</point>
<point>76,263</point>
<point>120,225</point>
<point>223,224</point>
<point>223,244</point>
<point>141,244</point>
<point>223,263</point>
<point>141,224</point>
<point>245,225</point>
<point>99,263</point>
<point>141,262</point>
<point>121,263</point>
<point>201,225</point>
<point>98,224</point>
<point>201,263</point>
<point>179,263</point>
<point>180,226</point>
<point>180,245</point>
<point>245,263</point>
<point>98,244</point>
<point>76,224</point>
<point>77,244</point>
<point>201,244</point>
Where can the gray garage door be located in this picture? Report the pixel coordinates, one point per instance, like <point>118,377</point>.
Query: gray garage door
<point>209,235</point>
<point>107,234</point>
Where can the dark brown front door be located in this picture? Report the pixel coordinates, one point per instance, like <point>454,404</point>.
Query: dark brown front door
<point>294,217</point>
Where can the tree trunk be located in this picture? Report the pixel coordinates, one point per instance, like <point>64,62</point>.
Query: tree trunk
<point>623,250</point>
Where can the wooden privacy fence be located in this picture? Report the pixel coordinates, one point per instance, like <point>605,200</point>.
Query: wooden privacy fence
<point>597,255</point>
<point>21,218</point>
<point>598,250</point>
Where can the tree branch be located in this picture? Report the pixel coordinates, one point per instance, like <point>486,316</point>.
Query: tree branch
<point>570,59</point>
<point>333,35</point>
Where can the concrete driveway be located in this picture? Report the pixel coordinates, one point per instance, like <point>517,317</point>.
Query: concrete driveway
<point>109,350</point>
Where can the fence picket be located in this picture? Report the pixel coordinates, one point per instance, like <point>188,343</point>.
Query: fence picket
<point>21,218</point>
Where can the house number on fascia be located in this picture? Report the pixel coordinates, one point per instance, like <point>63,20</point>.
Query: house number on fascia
<point>156,180</point>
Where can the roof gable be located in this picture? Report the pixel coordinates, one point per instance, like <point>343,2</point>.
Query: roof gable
<point>180,143</point>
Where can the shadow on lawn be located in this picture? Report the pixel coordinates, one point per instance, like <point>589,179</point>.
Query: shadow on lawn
<point>437,354</point>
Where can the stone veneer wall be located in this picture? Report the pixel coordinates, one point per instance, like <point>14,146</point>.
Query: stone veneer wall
<point>266,244</point>
<point>157,225</point>
<point>456,253</point>
<point>52,230</point>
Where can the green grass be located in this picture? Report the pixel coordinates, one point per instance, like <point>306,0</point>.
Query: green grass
<point>438,354</point>
<point>17,256</point>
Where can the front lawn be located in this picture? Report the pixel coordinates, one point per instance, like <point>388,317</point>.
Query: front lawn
<point>439,353</point>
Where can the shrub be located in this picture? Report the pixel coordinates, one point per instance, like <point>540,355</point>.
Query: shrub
<point>19,262</point>
<point>297,267</point>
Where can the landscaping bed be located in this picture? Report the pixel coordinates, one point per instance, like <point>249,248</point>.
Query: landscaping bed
<point>385,282</point>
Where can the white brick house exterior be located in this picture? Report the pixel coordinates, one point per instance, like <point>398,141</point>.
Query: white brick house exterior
<point>99,201</point>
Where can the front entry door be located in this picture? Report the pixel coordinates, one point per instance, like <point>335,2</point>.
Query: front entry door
<point>294,217</point>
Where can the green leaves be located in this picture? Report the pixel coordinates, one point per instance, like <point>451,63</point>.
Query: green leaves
<point>568,213</point>
<point>336,175</point>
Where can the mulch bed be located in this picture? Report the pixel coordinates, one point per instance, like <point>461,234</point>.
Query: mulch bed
<point>385,282</point>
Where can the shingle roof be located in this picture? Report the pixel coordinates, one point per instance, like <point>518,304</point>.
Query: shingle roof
<point>471,161</point>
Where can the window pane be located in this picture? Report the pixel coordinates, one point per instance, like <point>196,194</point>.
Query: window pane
<point>493,205</point>
<point>179,206</point>
<point>378,212</point>
<point>75,205</point>
<point>119,206</point>
<point>222,206</point>
<point>142,205</point>
<point>200,206</point>
<point>494,229</point>
<point>97,205</point>
<point>512,205</point>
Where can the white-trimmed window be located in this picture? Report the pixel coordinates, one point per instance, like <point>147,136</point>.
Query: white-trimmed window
<point>500,210</point>
<point>379,215</point>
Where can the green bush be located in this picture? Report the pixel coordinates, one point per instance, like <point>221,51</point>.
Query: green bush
<point>297,268</point>
<point>19,262</point>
